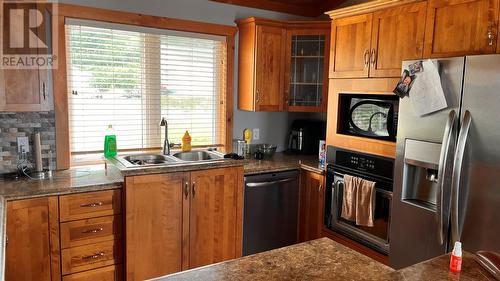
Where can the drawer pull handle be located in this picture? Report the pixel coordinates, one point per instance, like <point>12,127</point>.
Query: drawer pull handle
<point>94,256</point>
<point>95,230</point>
<point>91,205</point>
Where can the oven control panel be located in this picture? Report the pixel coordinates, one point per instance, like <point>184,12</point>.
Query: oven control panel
<point>361,163</point>
<point>353,160</point>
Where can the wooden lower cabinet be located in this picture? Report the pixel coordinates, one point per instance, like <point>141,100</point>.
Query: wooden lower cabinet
<point>311,205</point>
<point>108,273</point>
<point>215,218</point>
<point>155,207</point>
<point>32,251</point>
<point>177,221</point>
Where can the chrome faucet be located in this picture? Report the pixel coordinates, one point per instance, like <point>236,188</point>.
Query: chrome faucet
<point>166,145</point>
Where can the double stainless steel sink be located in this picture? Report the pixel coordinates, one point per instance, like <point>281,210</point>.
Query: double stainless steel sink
<point>140,160</point>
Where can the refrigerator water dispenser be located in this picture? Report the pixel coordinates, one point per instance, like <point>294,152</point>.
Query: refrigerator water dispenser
<point>421,162</point>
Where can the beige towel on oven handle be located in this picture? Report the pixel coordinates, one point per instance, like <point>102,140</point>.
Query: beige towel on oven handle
<point>349,198</point>
<point>365,202</point>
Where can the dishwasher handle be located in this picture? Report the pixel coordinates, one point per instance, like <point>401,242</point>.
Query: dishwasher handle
<point>266,183</point>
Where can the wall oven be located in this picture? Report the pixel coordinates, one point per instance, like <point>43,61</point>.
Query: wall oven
<point>369,116</point>
<point>369,167</point>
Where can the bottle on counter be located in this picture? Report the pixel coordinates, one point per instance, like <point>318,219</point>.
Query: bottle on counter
<point>110,143</point>
<point>456,258</point>
<point>186,142</point>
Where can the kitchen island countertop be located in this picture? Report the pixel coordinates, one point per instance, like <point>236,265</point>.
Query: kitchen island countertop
<point>324,259</point>
<point>321,259</point>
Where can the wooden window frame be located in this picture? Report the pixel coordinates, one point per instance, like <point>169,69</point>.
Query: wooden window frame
<point>97,14</point>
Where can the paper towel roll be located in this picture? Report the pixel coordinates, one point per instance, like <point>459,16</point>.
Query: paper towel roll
<point>38,153</point>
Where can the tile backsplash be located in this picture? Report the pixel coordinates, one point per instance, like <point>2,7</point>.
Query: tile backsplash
<point>20,124</point>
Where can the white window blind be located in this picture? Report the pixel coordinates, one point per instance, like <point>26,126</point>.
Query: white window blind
<point>131,79</point>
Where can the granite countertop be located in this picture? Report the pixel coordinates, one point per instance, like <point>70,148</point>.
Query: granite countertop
<point>321,259</point>
<point>324,259</point>
<point>437,269</point>
<point>104,177</point>
<point>283,162</point>
<point>81,179</point>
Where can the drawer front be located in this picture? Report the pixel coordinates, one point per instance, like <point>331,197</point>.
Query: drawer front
<point>89,231</point>
<point>108,273</point>
<point>88,257</point>
<point>90,205</point>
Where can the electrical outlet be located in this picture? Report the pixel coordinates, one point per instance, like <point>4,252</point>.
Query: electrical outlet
<point>256,134</point>
<point>23,144</point>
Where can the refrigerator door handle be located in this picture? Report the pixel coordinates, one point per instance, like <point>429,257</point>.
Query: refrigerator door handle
<point>455,179</point>
<point>447,148</point>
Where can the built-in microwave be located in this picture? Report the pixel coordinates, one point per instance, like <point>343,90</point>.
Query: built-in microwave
<point>368,115</point>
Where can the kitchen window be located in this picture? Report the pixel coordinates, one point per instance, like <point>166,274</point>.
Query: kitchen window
<point>130,77</point>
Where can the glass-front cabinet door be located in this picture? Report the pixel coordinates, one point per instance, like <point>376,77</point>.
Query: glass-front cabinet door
<point>306,70</point>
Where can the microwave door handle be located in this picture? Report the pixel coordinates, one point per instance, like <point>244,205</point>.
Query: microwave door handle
<point>455,179</point>
<point>447,148</point>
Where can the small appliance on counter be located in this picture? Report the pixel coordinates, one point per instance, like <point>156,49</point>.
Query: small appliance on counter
<point>305,135</point>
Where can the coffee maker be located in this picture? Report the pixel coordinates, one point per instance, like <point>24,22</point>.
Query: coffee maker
<point>304,136</point>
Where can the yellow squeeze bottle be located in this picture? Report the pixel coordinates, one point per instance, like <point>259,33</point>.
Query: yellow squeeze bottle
<point>186,142</point>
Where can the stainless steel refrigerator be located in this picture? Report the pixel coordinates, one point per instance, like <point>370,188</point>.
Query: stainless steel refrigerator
<point>447,172</point>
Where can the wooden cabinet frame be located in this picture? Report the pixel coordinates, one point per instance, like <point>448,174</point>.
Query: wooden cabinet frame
<point>252,69</point>
<point>380,86</point>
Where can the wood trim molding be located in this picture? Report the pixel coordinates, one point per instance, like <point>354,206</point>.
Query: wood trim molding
<point>367,7</point>
<point>88,13</point>
<point>60,92</point>
<point>285,23</point>
<point>306,8</point>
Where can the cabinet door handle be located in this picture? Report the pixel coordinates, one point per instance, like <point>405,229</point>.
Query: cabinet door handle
<point>92,205</point>
<point>373,57</point>
<point>94,256</point>
<point>491,37</point>
<point>367,58</point>
<point>320,187</point>
<point>186,189</point>
<point>258,97</point>
<point>193,188</point>
<point>95,230</point>
<point>43,91</point>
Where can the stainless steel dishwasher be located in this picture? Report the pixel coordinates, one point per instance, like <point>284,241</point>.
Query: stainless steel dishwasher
<point>270,214</point>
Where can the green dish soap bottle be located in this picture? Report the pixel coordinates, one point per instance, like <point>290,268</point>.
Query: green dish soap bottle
<point>110,142</point>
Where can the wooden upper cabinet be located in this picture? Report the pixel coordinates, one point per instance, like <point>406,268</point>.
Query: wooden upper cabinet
<point>22,90</point>
<point>215,225</point>
<point>311,206</point>
<point>282,65</point>
<point>260,65</point>
<point>350,48</point>
<point>270,54</point>
<point>32,251</point>
<point>155,206</point>
<point>461,27</point>
<point>306,68</point>
<point>398,34</point>
<point>26,89</point>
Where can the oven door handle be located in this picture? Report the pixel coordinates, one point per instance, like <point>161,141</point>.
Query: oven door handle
<point>383,191</point>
